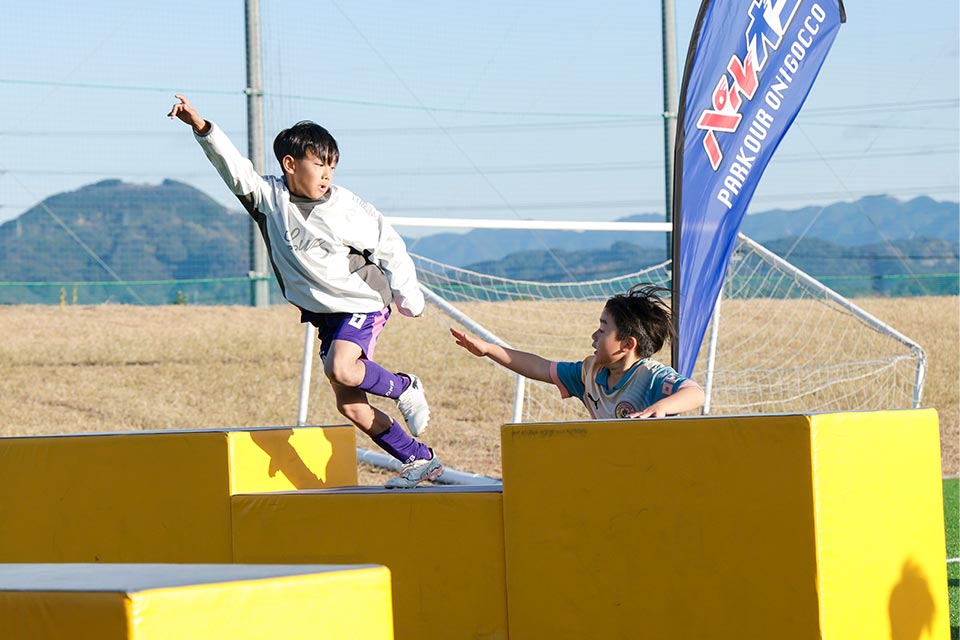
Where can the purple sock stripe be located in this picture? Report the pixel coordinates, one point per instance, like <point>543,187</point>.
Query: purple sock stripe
<point>399,444</point>
<point>380,382</point>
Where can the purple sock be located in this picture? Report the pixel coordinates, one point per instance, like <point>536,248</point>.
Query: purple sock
<point>401,445</point>
<point>380,382</point>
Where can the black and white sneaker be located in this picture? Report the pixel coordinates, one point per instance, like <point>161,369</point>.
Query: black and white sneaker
<point>413,406</point>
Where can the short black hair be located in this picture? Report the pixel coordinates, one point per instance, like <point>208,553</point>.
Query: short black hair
<point>303,137</point>
<point>641,313</point>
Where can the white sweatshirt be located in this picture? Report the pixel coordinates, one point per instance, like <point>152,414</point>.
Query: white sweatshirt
<point>311,256</point>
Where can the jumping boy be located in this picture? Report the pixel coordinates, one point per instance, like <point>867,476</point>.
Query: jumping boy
<point>620,379</point>
<point>341,263</point>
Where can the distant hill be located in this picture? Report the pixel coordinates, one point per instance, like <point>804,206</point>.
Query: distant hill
<point>486,245</point>
<point>559,265</point>
<point>140,232</point>
<point>901,267</point>
<point>172,231</point>
<point>870,220</point>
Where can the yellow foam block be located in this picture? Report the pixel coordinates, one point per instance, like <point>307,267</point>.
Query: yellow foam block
<point>879,523</point>
<point>281,459</point>
<point>193,602</point>
<point>158,496</point>
<point>443,546</point>
<point>727,527</point>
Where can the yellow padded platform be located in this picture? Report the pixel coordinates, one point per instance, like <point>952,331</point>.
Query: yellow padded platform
<point>193,602</point>
<point>443,546</point>
<point>781,526</point>
<point>161,496</point>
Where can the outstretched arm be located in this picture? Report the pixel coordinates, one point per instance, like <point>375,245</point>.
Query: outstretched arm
<point>235,170</point>
<point>529,365</point>
<point>688,397</point>
<point>184,111</point>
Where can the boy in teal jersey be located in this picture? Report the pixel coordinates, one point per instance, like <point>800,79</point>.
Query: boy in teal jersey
<point>620,379</point>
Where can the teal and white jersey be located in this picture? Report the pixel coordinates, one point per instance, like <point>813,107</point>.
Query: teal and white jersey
<point>645,383</point>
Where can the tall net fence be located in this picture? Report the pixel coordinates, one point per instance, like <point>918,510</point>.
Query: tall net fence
<point>434,116</point>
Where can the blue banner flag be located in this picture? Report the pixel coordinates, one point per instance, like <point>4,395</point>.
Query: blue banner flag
<point>749,68</point>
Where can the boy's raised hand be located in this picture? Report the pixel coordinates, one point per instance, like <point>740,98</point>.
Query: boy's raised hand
<point>185,112</point>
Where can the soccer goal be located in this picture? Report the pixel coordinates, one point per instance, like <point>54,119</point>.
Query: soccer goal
<point>779,340</point>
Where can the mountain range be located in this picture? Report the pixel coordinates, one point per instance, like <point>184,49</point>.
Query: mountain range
<point>873,220</point>
<point>113,230</point>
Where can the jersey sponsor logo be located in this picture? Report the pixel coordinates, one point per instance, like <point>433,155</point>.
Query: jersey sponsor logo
<point>297,239</point>
<point>624,409</point>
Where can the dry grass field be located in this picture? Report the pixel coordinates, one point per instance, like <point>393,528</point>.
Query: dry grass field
<point>121,368</point>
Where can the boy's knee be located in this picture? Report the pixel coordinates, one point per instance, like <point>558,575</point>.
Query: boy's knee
<point>357,414</point>
<point>346,374</point>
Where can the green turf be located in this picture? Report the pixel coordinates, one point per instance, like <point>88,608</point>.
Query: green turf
<point>951,518</point>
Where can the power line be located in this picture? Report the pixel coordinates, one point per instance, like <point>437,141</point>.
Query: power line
<point>595,167</point>
<point>599,123</point>
<point>344,101</point>
<point>866,125</point>
<point>117,87</point>
<point>885,107</point>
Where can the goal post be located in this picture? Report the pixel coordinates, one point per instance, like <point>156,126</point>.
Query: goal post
<point>916,352</point>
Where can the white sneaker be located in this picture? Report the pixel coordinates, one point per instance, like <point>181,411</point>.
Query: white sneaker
<point>416,472</point>
<point>413,406</point>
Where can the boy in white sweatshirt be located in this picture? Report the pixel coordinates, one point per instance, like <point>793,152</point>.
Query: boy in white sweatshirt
<point>341,263</point>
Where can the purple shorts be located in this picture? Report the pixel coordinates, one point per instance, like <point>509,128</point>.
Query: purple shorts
<point>362,329</point>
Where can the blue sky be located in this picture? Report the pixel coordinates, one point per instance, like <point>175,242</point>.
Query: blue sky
<point>498,109</point>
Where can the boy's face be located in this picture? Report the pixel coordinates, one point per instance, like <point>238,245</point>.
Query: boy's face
<point>607,347</point>
<point>308,177</point>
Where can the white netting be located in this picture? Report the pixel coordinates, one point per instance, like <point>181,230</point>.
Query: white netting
<point>785,342</point>
<point>554,320</point>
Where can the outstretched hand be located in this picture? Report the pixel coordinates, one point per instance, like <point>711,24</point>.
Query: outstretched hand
<point>185,112</point>
<point>476,346</point>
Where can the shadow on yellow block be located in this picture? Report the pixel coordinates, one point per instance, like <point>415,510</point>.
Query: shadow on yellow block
<point>160,496</point>
<point>790,527</point>
<point>193,602</point>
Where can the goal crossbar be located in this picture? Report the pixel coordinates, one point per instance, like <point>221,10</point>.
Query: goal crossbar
<point>542,225</point>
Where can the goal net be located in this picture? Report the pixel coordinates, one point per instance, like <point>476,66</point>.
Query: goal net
<point>779,340</point>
